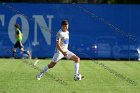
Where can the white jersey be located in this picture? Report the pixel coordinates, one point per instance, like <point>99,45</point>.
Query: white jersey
<point>63,38</point>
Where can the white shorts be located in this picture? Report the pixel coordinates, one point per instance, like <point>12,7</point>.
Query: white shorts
<point>57,56</point>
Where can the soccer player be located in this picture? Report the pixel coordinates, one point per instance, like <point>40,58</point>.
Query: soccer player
<point>18,44</point>
<point>62,41</point>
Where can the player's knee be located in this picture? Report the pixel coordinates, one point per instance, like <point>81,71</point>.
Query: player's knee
<point>77,60</point>
<point>22,50</point>
<point>51,65</point>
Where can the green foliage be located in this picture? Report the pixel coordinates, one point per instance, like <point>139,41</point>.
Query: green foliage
<point>111,1</point>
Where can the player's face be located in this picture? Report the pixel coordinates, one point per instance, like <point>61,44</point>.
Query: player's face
<point>65,27</point>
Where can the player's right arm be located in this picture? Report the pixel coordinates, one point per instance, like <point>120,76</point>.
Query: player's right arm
<point>58,40</point>
<point>59,48</point>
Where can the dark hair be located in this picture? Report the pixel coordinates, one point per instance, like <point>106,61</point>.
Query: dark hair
<point>64,22</point>
<point>17,25</point>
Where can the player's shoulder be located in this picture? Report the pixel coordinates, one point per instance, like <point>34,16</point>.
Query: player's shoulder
<point>59,32</point>
<point>18,30</point>
<point>67,32</point>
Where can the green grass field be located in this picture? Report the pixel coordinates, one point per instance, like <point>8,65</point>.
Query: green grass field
<point>16,76</point>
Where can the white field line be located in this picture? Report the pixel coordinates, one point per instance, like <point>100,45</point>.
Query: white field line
<point>36,62</point>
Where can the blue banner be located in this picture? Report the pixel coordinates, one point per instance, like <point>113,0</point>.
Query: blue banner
<point>96,31</point>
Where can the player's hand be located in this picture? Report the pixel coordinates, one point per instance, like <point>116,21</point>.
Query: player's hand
<point>65,54</point>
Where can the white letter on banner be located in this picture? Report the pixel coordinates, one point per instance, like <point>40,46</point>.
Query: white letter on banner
<point>46,30</point>
<point>2,19</point>
<point>24,26</point>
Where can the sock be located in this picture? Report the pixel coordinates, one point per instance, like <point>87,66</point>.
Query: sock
<point>14,54</point>
<point>76,68</point>
<point>44,69</point>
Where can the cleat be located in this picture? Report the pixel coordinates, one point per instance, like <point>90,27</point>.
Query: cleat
<point>38,76</point>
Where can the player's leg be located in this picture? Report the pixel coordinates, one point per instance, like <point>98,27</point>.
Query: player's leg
<point>23,51</point>
<point>26,52</point>
<point>50,65</point>
<point>14,52</point>
<point>14,49</point>
<point>55,59</point>
<point>76,60</point>
<point>47,67</point>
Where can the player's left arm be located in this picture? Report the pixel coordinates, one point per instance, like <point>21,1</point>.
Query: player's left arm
<point>17,34</point>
